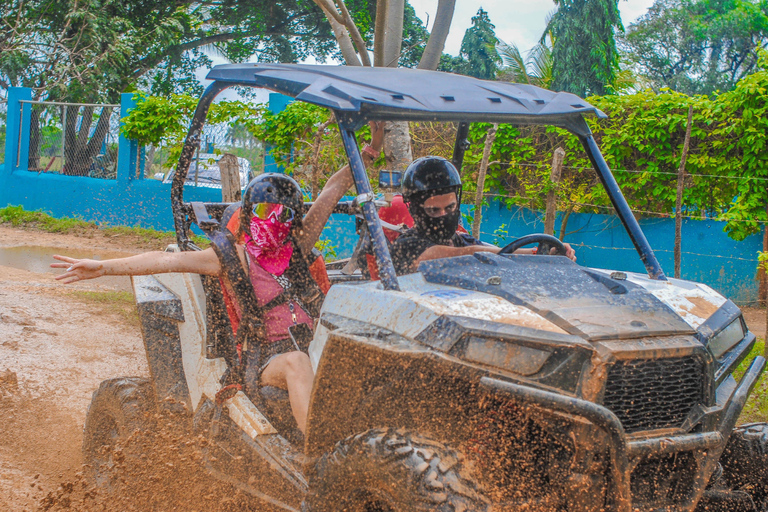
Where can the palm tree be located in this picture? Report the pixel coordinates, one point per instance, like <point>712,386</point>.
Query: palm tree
<point>535,69</point>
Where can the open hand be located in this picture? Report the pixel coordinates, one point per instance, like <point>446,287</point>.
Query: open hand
<point>78,270</point>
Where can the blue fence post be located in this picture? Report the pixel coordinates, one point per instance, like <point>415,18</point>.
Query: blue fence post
<point>17,130</point>
<point>127,150</point>
<point>277,103</point>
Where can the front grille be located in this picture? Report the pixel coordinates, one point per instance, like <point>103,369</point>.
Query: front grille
<point>664,479</point>
<point>651,394</point>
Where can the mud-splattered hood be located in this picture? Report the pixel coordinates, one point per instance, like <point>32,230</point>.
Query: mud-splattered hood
<point>580,301</point>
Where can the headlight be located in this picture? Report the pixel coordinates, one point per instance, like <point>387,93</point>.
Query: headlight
<point>506,355</point>
<point>726,339</point>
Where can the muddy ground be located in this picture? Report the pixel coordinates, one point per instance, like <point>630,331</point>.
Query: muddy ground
<point>56,346</point>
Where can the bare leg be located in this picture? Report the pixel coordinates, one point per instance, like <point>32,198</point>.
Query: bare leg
<point>292,371</point>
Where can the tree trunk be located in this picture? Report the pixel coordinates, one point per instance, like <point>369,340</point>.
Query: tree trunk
<point>388,37</point>
<point>489,138</point>
<point>80,149</point>
<point>551,212</point>
<point>397,145</point>
<point>393,33</point>
<point>34,139</point>
<point>70,136</point>
<point>564,222</point>
<point>436,42</point>
<point>680,188</point>
<point>341,34</point>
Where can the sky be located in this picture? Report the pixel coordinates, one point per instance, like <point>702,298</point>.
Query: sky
<point>518,22</point>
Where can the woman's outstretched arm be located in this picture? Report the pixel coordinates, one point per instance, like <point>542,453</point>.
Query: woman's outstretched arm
<point>199,262</point>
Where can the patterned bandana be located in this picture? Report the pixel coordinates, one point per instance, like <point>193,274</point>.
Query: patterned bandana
<point>269,244</point>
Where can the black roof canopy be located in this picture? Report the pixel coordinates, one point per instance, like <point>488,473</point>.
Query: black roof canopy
<point>365,93</point>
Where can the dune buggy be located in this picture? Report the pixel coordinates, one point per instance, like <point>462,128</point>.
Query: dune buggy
<point>489,381</point>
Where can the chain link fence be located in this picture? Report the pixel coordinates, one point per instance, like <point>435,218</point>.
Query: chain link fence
<point>216,140</point>
<point>3,131</point>
<point>74,139</point>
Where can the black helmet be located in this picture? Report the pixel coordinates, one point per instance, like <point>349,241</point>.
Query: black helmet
<point>273,187</point>
<point>430,176</point>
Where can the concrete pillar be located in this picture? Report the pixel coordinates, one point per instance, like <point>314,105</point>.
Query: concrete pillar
<point>277,103</point>
<point>17,130</point>
<point>129,153</point>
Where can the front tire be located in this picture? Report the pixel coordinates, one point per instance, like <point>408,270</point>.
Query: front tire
<point>119,408</point>
<point>388,470</point>
<point>745,462</point>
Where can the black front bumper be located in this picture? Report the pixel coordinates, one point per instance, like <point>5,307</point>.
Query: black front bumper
<point>625,452</point>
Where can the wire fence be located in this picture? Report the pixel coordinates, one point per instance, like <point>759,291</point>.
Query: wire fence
<point>74,139</point>
<point>3,131</point>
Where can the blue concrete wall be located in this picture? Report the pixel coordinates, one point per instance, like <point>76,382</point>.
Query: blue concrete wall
<point>145,203</point>
<point>708,255</point>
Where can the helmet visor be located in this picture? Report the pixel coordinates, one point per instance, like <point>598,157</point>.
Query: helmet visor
<point>277,212</point>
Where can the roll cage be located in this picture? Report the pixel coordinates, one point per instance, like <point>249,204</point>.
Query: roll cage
<point>357,95</point>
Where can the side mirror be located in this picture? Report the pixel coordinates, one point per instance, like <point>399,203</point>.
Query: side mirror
<point>390,181</point>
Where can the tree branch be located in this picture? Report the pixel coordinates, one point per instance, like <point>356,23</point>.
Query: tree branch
<point>362,49</point>
<point>437,36</point>
<point>342,36</point>
<point>153,60</point>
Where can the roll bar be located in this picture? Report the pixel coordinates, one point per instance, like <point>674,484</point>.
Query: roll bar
<point>348,121</point>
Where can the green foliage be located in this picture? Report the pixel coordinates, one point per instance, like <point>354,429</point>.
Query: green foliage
<point>756,408</point>
<point>534,69</point>
<point>584,54</point>
<point>91,50</point>
<point>478,56</point>
<point>642,142</point>
<point>327,248</point>
<point>698,46</point>
<point>17,216</point>
<point>164,121</point>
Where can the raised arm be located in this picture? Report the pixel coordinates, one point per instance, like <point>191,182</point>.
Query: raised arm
<point>199,262</point>
<point>334,189</point>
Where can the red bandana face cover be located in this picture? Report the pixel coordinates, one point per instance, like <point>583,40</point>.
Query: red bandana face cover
<point>269,242</point>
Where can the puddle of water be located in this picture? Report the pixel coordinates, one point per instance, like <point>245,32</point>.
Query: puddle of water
<point>38,258</point>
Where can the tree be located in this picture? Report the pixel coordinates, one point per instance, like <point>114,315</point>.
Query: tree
<point>697,46</point>
<point>535,69</point>
<point>478,48</point>
<point>91,50</point>
<point>585,58</point>
<point>388,35</point>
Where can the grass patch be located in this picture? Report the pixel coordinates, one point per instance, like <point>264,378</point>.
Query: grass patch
<point>18,217</point>
<point>119,303</point>
<point>756,408</point>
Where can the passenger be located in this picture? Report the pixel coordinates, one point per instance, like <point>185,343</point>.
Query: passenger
<point>432,189</point>
<point>275,237</point>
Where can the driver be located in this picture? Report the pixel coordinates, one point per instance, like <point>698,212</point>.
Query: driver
<point>432,189</point>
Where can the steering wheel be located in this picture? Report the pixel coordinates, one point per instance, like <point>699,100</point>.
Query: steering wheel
<point>546,243</point>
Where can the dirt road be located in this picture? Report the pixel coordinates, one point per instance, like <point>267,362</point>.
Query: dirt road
<point>55,348</point>
<point>57,343</point>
